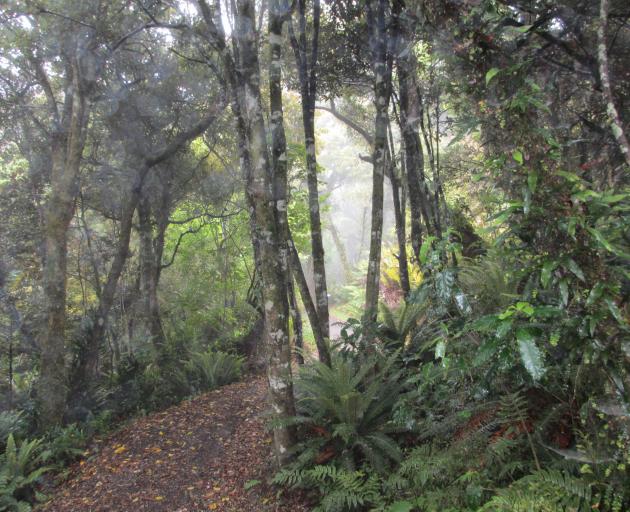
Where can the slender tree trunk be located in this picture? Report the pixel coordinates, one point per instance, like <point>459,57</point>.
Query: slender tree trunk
<point>309,305</point>
<point>414,158</point>
<point>381,65</point>
<point>308,84</point>
<point>268,210</point>
<point>150,271</point>
<point>399,219</point>
<point>296,320</point>
<point>341,249</point>
<point>614,118</point>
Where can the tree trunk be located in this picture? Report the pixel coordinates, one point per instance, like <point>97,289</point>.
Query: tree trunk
<point>341,249</point>
<point>296,320</point>
<point>268,210</point>
<point>67,150</point>
<point>87,364</point>
<point>381,65</point>
<point>270,260</point>
<point>410,112</point>
<point>399,220</point>
<point>308,91</point>
<point>149,266</point>
<point>614,118</point>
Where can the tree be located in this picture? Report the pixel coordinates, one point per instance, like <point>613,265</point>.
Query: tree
<point>244,84</point>
<point>378,12</point>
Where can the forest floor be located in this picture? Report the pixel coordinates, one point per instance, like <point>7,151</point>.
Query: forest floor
<point>211,452</point>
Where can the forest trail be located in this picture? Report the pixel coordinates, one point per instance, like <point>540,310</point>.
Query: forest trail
<point>198,455</point>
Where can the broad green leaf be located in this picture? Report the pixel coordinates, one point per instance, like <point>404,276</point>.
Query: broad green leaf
<point>491,74</point>
<point>545,273</point>
<point>525,307</point>
<point>504,328</point>
<point>570,176</point>
<point>597,235</point>
<point>251,483</point>
<point>517,155</point>
<point>530,353</point>
<point>610,199</point>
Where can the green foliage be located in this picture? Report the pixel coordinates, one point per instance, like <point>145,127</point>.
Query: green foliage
<point>11,423</point>
<point>20,470</point>
<point>352,401</point>
<point>545,491</point>
<point>211,369</point>
<point>341,489</point>
<point>64,445</point>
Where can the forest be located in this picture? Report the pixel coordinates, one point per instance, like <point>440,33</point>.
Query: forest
<point>327,255</point>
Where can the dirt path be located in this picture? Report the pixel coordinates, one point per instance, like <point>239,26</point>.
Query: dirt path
<point>195,456</point>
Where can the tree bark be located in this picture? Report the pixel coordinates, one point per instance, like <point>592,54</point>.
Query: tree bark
<point>399,220</point>
<point>307,73</point>
<point>150,270</point>
<point>381,64</point>
<point>341,249</point>
<point>614,118</point>
<point>67,149</point>
<point>270,259</point>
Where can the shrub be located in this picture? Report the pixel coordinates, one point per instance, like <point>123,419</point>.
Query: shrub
<point>211,369</point>
<point>20,469</point>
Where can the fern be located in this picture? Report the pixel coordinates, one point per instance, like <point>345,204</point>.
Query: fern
<point>19,472</point>
<point>340,490</point>
<point>545,491</point>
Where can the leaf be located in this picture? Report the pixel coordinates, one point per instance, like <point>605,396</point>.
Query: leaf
<point>573,267</point>
<point>518,156</point>
<point>523,28</point>
<point>525,307</point>
<point>595,294</point>
<point>440,349</point>
<point>122,448</point>
<point>400,506</point>
<point>545,274</point>
<point>614,309</point>
<point>532,181</point>
<point>424,250</point>
<point>564,291</point>
<point>491,74</point>
<point>530,353</point>
<point>597,235</point>
<point>527,200</point>
<point>571,226</point>
<point>251,483</point>
<point>610,199</point>
<point>485,352</point>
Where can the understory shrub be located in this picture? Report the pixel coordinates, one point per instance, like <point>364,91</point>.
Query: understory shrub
<point>20,469</point>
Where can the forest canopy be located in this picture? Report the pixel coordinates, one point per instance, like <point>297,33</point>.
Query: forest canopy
<point>411,217</point>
